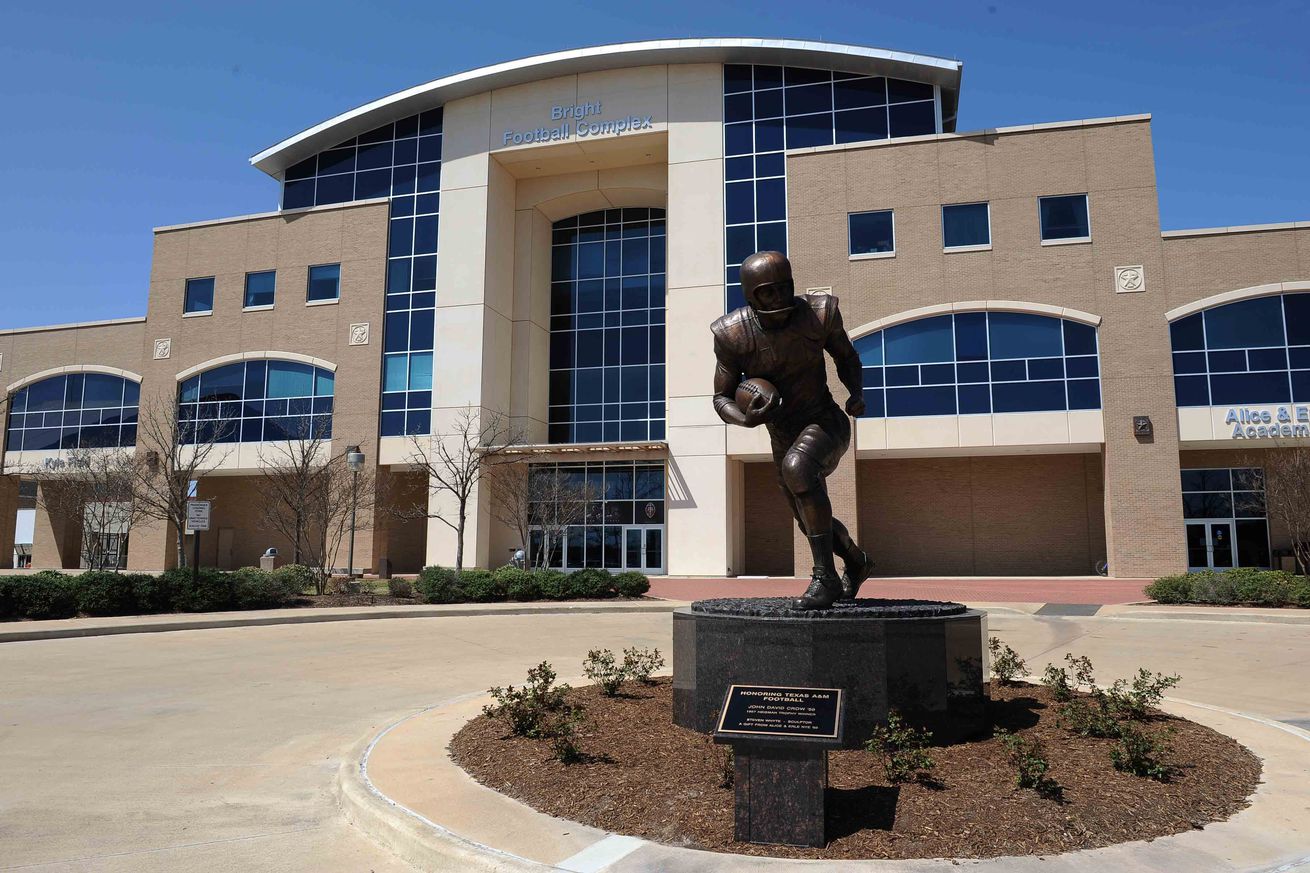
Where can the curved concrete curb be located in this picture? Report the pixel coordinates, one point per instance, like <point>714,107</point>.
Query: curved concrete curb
<point>413,838</point>
<point>1271,835</point>
<point>90,627</point>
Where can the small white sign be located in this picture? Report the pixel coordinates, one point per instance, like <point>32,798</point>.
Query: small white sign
<point>197,515</point>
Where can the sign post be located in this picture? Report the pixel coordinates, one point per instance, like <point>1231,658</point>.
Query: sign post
<point>197,519</point>
<point>780,739</point>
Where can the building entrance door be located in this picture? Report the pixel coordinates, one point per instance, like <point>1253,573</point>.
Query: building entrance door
<point>643,549</point>
<point>1209,545</point>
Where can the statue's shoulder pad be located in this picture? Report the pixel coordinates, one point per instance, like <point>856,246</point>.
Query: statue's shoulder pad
<point>729,328</point>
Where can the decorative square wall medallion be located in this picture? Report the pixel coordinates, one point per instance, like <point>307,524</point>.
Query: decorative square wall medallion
<point>163,349</point>
<point>359,334</point>
<point>1129,279</point>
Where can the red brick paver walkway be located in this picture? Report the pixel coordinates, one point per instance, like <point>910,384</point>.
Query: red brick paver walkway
<point>971,589</point>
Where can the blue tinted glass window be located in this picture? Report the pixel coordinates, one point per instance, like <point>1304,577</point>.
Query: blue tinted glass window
<point>1022,335</point>
<point>324,282</point>
<point>260,288</point>
<point>997,362</point>
<point>1242,352</point>
<point>925,341</point>
<point>871,232</point>
<point>858,93</point>
<point>199,295</point>
<point>78,410</point>
<point>912,119</point>
<point>939,400</point>
<point>227,404</point>
<point>1064,217</point>
<point>607,328</point>
<point>1245,324</point>
<point>966,224</point>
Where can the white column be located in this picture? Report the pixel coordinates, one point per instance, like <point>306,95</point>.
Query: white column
<point>701,531</point>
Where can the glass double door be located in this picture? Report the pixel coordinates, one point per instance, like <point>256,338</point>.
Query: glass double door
<point>643,549</point>
<point>1209,545</point>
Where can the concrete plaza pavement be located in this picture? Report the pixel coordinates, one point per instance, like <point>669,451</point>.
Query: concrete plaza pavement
<point>218,749</point>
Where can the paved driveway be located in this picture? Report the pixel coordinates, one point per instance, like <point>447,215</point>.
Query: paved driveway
<point>216,749</point>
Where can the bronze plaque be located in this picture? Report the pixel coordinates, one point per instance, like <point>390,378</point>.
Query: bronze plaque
<point>771,711</point>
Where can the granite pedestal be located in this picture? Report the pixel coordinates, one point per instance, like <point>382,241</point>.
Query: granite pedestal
<point>924,659</point>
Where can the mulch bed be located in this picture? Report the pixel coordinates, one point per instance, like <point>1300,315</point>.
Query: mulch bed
<point>646,777</point>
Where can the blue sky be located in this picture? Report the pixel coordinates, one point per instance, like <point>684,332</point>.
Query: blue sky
<point>121,117</point>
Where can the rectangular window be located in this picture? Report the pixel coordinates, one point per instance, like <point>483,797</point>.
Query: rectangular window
<point>259,288</point>
<point>1064,218</point>
<point>199,296</point>
<point>324,283</point>
<point>966,226</point>
<point>872,234</point>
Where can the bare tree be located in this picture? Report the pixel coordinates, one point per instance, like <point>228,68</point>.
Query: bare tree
<point>172,454</point>
<point>1287,494</point>
<point>95,488</point>
<point>542,499</point>
<point>455,463</point>
<point>309,497</point>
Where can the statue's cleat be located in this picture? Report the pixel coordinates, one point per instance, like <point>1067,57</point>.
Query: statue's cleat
<point>854,575</point>
<point>823,592</point>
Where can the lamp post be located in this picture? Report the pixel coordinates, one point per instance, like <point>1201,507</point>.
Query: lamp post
<point>355,461</point>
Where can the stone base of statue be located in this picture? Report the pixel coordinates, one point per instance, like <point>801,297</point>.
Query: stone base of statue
<point>924,659</point>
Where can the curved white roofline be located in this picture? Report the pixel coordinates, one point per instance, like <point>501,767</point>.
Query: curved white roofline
<point>802,53</point>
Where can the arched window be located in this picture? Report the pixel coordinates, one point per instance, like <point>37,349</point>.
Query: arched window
<point>980,362</point>
<point>75,410</point>
<point>1251,351</point>
<point>607,327</point>
<point>257,400</point>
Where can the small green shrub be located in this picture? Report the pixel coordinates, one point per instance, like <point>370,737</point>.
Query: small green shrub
<point>480,586</point>
<point>1211,587</point>
<point>104,592</point>
<point>600,668</point>
<point>400,587</point>
<point>1141,754</point>
<point>210,591</point>
<point>47,595</point>
<point>631,583</point>
<point>439,585</point>
<point>1058,680</point>
<point>1029,759</point>
<point>1007,666</point>
<point>517,584</point>
<point>1171,589</point>
<point>1300,594</point>
<point>554,584</point>
<point>903,749</point>
<point>296,578</point>
<point>10,599</point>
<point>591,584</point>
<point>154,593</point>
<point>1133,700</point>
<point>527,710</point>
<point>639,664</point>
<point>562,729</point>
<point>1090,717</point>
<point>254,588</point>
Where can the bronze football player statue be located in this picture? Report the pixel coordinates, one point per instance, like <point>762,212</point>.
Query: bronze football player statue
<point>781,338</point>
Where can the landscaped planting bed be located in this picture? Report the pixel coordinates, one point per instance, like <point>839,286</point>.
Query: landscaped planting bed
<point>635,772</point>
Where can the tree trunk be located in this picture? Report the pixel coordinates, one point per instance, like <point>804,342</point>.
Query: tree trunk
<point>181,545</point>
<point>459,541</point>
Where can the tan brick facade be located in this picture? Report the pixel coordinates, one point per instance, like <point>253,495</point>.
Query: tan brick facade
<point>1112,162</point>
